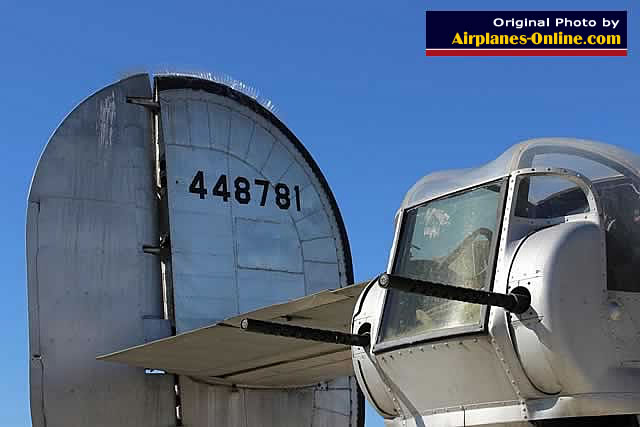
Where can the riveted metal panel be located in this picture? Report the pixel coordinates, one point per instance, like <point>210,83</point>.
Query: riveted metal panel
<point>267,230</point>
<point>277,248</point>
<point>91,288</point>
<point>251,359</point>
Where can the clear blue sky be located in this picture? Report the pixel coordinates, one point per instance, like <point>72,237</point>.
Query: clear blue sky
<point>349,78</point>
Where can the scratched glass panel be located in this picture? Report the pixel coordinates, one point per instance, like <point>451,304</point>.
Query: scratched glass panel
<point>449,241</point>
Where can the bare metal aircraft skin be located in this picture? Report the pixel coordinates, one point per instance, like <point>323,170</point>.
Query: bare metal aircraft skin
<point>219,255</point>
<point>547,238</point>
<point>158,210</point>
<point>509,299</point>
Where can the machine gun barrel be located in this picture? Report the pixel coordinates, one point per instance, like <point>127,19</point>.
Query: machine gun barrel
<point>312,334</point>
<point>517,301</point>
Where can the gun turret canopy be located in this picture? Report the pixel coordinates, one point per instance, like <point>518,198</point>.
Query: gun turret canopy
<point>511,292</point>
<point>594,160</point>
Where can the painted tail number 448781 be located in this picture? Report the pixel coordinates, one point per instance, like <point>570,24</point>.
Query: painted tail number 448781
<point>242,190</point>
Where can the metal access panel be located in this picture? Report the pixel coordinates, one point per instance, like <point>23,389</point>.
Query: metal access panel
<point>251,223</point>
<point>92,205</point>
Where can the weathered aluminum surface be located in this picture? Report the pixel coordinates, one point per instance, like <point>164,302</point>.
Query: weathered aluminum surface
<point>555,340</point>
<point>553,409</point>
<point>459,371</point>
<point>329,406</point>
<point>375,385</point>
<point>230,257</point>
<point>546,257</point>
<point>548,336</point>
<point>571,354</point>
<point>91,288</point>
<point>255,359</point>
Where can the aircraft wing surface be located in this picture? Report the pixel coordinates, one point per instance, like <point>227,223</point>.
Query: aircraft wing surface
<point>223,352</point>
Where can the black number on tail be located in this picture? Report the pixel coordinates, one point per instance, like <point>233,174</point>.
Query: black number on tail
<point>220,189</point>
<point>242,190</point>
<point>282,196</point>
<point>197,185</point>
<point>296,190</point>
<point>265,189</point>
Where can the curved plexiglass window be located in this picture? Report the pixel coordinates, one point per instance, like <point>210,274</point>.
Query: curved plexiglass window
<point>546,197</point>
<point>450,240</point>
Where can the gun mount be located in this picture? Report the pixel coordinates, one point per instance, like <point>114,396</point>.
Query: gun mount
<point>300,332</point>
<point>517,301</point>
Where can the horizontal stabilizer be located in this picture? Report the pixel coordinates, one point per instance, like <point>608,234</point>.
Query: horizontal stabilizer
<point>223,352</point>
